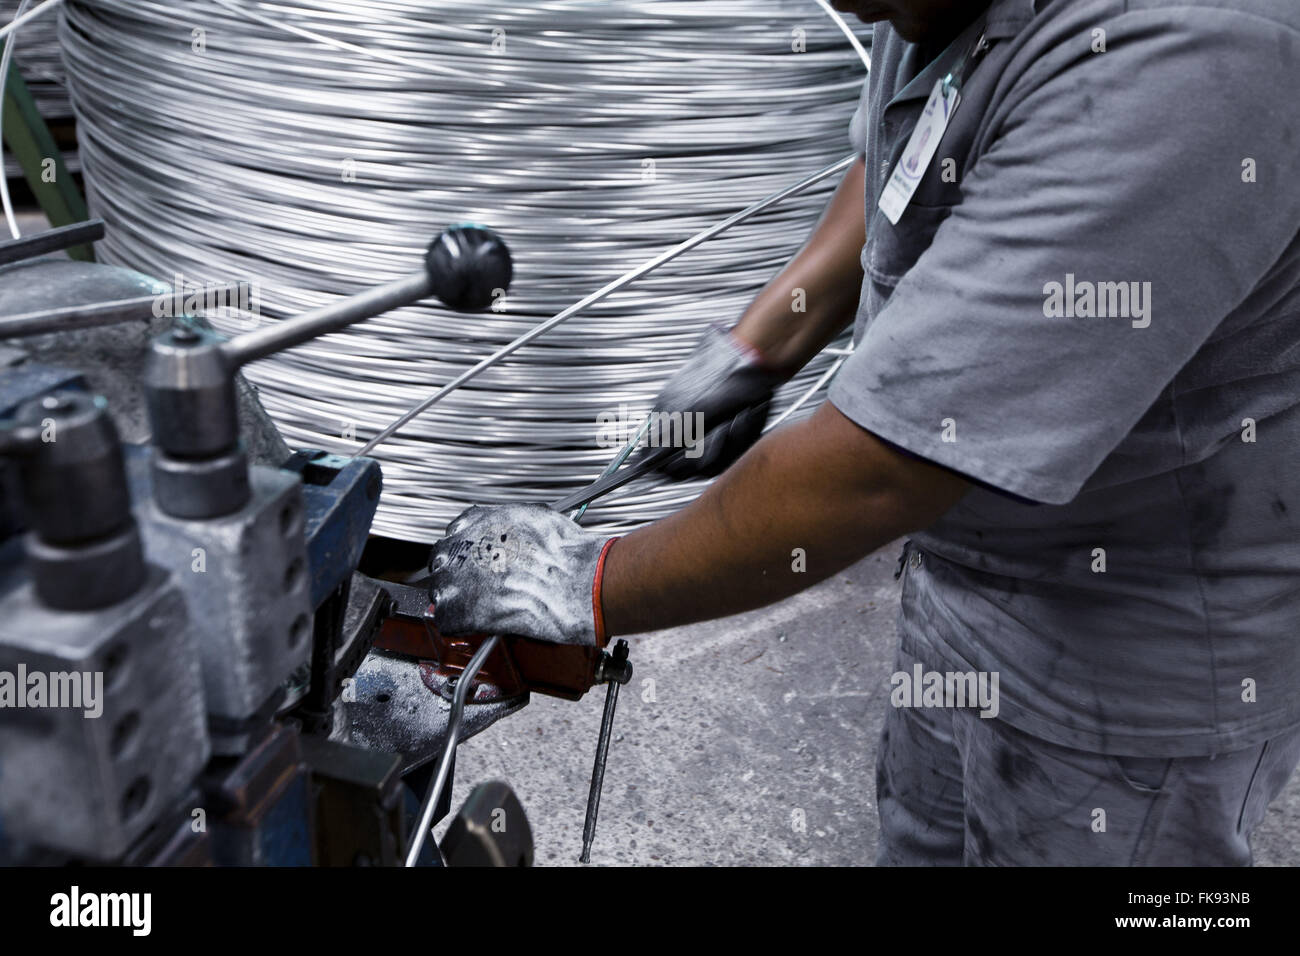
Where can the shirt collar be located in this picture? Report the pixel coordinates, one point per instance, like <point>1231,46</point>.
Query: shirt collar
<point>919,87</point>
<point>1004,19</point>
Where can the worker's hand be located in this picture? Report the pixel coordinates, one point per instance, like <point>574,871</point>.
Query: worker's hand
<point>519,569</point>
<point>726,383</point>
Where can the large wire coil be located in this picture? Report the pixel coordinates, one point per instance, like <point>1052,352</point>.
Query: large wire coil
<point>311,148</point>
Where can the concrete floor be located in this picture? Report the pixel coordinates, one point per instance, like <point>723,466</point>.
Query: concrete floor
<point>728,732</point>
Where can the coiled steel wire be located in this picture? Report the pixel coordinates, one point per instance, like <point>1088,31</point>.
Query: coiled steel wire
<point>313,147</point>
<point>39,60</point>
<point>36,51</point>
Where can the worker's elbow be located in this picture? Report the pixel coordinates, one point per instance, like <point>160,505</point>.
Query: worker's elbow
<point>902,492</point>
<point>914,507</point>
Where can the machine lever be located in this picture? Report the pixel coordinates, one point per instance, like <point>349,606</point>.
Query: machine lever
<point>617,670</point>
<point>465,266</point>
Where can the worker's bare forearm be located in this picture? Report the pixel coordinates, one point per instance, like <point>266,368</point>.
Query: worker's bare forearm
<point>807,501</point>
<point>823,280</point>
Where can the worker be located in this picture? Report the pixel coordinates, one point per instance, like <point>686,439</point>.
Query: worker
<point>1070,250</point>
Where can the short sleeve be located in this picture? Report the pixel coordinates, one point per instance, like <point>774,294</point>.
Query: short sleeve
<point>1124,204</point>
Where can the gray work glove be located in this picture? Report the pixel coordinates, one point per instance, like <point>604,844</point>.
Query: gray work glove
<point>519,569</point>
<point>725,383</point>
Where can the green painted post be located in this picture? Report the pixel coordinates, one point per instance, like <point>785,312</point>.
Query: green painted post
<point>29,139</point>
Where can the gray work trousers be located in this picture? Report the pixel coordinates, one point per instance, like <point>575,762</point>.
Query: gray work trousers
<point>955,788</point>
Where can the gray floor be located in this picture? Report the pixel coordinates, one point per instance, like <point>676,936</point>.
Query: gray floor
<point>729,733</point>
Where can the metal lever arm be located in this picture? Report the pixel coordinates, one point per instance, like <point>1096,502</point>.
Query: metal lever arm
<point>464,266</point>
<point>330,318</point>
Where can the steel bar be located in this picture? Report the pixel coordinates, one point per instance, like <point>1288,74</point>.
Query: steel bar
<point>39,10</point>
<point>67,318</point>
<point>463,687</point>
<point>598,771</point>
<point>38,57</point>
<point>328,318</point>
<point>632,444</point>
<point>607,483</point>
<point>52,240</point>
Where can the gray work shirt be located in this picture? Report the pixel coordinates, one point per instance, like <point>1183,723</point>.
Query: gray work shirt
<point>1129,559</point>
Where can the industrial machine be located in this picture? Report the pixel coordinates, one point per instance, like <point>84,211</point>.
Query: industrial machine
<point>205,658</point>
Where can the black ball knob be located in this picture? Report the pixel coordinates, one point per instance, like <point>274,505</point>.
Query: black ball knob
<point>470,267</point>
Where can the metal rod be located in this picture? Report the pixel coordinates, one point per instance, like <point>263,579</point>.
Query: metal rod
<point>601,293</point>
<point>609,481</point>
<point>77,317</point>
<point>18,21</point>
<point>52,240</point>
<point>329,318</point>
<point>449,748</point>
<point>580,508</point>
<point>6,57</point>
<point>849,35</point>
<point>598,771</point>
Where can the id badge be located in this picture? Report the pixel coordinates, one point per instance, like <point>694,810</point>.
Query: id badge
<point>918,155</point>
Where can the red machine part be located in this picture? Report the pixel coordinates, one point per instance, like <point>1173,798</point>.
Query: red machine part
<point>518,664</point>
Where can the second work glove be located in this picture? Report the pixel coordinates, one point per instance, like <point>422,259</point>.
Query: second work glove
<point>519,569</point>
<point>726,384</point>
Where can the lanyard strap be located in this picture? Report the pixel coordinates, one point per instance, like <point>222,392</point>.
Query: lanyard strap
<point>956,79</point>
